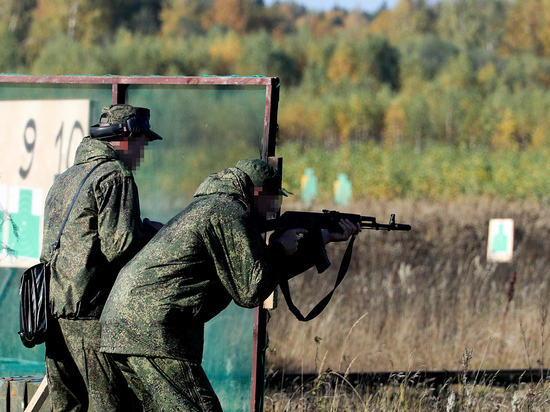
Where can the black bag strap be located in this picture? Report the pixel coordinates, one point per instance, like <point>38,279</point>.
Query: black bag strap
<point>56,244</point>
<point>344,266</point>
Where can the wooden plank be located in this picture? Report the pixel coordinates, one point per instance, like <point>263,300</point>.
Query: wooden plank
<point>4,395</point>
<point>38,400</point>
<point>17,395</point>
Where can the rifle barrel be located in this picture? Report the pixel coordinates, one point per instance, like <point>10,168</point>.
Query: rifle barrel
<point>369,222</point>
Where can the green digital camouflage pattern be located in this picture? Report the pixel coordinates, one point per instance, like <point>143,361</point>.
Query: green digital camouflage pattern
<point>206,256</point>
<point>102,233</point>
<point>73,346</point>
<point>164,384</point>
<point>119,113</point>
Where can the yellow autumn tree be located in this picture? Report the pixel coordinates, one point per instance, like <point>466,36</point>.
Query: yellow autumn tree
<point>298,119</point>
<point>383,23</point>
<point>180,18</point>
<point>342,63</point>
<point>395,124</point>
<point>409,18</point>
<point>318,24</point>
<point>84,21</point>
<point>504,135</point>
<point>527,27</point>
<point>356,22</point>
<point>225,51</point>
<point>233,14</point>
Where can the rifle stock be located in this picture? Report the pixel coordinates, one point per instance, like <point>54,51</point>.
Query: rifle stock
<point>328,219</point>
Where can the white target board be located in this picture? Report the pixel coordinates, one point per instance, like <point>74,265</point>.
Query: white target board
<point>38,140</point>
<point>500,245</point>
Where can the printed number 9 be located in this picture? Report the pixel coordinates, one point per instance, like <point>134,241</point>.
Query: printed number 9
<point>30,129</point>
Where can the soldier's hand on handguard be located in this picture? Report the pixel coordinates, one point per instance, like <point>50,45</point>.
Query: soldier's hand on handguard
<point>289,239</point>
<point>349,229</point>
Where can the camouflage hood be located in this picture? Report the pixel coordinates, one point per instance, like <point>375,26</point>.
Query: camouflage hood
<point>232,181</point>
<point>92,149</point>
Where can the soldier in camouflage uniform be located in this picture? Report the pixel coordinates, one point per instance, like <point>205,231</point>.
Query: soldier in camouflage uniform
<point>103,232</point>
<point>206,256</point>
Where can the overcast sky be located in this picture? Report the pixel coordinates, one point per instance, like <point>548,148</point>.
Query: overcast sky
<point>365,5</point>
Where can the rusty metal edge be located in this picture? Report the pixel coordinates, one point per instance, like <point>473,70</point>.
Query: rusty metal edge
<point>110,79</point>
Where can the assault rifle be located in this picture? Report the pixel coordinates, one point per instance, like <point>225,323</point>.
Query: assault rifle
<point>328,219</point>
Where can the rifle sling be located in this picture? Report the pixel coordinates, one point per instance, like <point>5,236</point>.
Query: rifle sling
<point>56,244</point>
<point>344,265</point>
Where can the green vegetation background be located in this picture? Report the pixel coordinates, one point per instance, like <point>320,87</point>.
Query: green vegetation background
<point>425,100</point>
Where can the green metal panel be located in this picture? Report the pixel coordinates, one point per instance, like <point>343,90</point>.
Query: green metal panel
<point>15,359</point>
<point>205,129</point>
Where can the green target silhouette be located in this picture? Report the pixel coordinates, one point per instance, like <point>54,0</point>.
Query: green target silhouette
<point>24,232</point>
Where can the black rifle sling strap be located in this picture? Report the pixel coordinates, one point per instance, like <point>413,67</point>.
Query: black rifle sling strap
<point>56,244</point>
<point>346,259</point>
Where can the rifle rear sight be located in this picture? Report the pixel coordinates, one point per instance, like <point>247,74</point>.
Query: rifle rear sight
<point>367,222</point>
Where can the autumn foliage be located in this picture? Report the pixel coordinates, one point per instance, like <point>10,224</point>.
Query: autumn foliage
<point>471,73</point>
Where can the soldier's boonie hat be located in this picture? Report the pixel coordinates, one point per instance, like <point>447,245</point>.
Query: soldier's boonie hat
<point>123,120</point>
<point>261,174</point>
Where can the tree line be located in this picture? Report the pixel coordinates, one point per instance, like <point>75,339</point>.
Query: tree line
<point>469,73</point>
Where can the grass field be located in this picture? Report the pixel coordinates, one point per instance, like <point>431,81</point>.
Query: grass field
<point>332,392</point>
<point>422,300</point>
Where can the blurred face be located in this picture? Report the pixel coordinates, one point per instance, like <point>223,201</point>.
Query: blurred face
<point>265,202</point>
<point>131,150</point>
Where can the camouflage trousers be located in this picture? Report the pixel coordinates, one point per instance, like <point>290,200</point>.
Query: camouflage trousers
<point>80,378</point>
<point>165,384</point>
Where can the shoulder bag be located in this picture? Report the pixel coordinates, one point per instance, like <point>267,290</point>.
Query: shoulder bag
<point>33,291</point>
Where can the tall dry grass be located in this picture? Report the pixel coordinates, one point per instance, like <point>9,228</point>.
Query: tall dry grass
<point>334,392</point>
<point>415,300</point>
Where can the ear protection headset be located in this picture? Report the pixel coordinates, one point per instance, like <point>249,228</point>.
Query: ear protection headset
<point>107,132</point>
<point>135,126</point>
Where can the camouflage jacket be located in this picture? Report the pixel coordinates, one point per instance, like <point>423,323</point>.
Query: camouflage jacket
<point>103,231</point>
<point>206,256</point>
